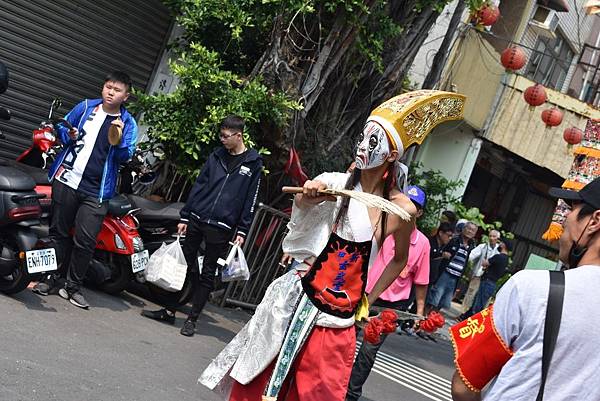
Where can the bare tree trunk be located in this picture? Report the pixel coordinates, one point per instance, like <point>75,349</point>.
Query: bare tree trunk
<point>334,82</point>
<point>377,87</point>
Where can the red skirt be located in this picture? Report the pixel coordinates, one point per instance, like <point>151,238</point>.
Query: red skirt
<point>320,372</point>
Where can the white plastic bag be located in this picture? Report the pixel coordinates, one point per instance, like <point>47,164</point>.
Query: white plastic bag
<point>235,266</point>
<point>167,267</point>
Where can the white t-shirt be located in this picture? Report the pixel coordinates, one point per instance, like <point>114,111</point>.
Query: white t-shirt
<point>482,252</point>
<point>519,314</point>
<point>93,138</point>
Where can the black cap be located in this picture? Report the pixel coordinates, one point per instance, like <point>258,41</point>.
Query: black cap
<point>507,244</point>
<point>590,194</point>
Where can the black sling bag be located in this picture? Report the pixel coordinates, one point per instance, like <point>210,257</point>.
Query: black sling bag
<point>556,296</point>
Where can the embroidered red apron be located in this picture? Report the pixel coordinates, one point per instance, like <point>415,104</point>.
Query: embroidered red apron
<point>337,280</point>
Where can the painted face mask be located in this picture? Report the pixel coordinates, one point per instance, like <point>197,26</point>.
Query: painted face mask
<point>373,147</point>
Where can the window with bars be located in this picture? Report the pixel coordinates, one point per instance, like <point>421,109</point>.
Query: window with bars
<point>550,62</point>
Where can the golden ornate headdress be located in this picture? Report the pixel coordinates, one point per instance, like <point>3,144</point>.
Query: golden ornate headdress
<point>409,117</point>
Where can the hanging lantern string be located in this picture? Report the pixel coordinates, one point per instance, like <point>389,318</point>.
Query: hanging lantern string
<point>512,42</point>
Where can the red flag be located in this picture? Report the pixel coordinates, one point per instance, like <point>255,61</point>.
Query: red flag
<point>293,168</point>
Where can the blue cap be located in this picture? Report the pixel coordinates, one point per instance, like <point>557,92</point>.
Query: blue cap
<point>417,195</point>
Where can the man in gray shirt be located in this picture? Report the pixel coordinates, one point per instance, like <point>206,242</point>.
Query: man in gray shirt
<point>519,318</point>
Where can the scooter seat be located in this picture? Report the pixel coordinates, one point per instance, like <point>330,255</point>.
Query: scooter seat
<point>155,211</point>
<point>39,175</point>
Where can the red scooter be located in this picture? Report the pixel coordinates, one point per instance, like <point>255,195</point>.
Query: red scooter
<point>120,255</point>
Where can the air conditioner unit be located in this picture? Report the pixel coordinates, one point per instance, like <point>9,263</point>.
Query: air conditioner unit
<point>544,21</point>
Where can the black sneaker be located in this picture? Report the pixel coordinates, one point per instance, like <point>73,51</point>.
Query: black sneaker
<point>44,286</point>
<point>188,329</point>
<point>75,298</point>
<point>161,315</point>
<point>41,288</point>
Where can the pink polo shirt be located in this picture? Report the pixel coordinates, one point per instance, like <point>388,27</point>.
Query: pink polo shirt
<point>416,271</point>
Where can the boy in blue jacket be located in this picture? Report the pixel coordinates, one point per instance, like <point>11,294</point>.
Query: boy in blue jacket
<point>219,206</point>
<point>84,177</point>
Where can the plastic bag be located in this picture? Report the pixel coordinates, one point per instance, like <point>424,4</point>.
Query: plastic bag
<point>235,266</point>
<point>167,267</point>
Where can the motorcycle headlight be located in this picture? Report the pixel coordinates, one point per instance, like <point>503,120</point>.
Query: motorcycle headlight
<point>119,242</point>
<point>138,244</point>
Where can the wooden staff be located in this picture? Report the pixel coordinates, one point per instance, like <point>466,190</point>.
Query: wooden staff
<point>367,199</point>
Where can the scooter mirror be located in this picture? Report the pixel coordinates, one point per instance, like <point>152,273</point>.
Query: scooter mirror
<point>4,113</point>
<point>3,77</point>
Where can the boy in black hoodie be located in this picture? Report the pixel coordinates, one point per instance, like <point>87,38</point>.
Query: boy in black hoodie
<point>220,204</point>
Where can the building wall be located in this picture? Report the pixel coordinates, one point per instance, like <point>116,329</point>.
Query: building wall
<point>422,63</point>
<point>474,70</point>
<point>575,25</point>
<point>520,129</point>
<point>588,56</point>
<point>514,15</point>
<point>452,149</point>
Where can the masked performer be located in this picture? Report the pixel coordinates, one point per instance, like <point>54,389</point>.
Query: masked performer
<point>300,343</point>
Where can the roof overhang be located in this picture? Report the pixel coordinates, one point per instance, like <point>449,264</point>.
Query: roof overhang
<point>556,5</point>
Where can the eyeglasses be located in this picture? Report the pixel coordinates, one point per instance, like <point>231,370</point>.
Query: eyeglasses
<point>225,136</point>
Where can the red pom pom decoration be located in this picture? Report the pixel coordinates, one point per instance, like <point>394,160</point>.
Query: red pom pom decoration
<point>388,315</point>
<point>385,323</point>
<point>434,321</point>
<point>372,331</point>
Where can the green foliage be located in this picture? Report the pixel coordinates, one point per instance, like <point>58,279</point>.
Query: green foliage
<point>187,120</point>
<point>439,191</point>
<point>375,34</point>
<point>219,51</point>
<point>476,5</point>
<point>474,215</point>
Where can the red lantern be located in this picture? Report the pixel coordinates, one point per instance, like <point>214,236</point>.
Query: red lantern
<point>573,135</point>
<point>488,15</point>
<point>552,117</point>
<point>535,95</point>
<point>513,58</point>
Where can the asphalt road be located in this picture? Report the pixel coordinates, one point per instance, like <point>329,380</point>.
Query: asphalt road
<point>52,351</point>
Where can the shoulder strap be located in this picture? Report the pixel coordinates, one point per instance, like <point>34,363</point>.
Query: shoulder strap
<point>556,296</point>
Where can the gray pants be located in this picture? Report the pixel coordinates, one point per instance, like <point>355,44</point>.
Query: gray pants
<point>470,294</point>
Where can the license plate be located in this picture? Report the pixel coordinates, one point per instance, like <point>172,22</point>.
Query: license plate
<point>41,260</point>
<point>139,261</point>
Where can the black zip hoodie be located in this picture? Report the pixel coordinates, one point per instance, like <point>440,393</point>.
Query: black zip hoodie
<point>225,199</point>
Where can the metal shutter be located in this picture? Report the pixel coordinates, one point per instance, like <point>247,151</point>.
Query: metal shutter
<point>65,48</point>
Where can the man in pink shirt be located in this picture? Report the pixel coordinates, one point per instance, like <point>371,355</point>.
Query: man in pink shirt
<point>397,295</point>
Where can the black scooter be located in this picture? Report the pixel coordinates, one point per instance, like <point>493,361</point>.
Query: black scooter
<point>20,213</point>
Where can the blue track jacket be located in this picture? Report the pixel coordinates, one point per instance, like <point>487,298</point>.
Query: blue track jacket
<point>117,155</point>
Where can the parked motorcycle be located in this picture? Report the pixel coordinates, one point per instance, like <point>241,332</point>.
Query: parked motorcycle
<point>120,255</point>
<point>20,213</point>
